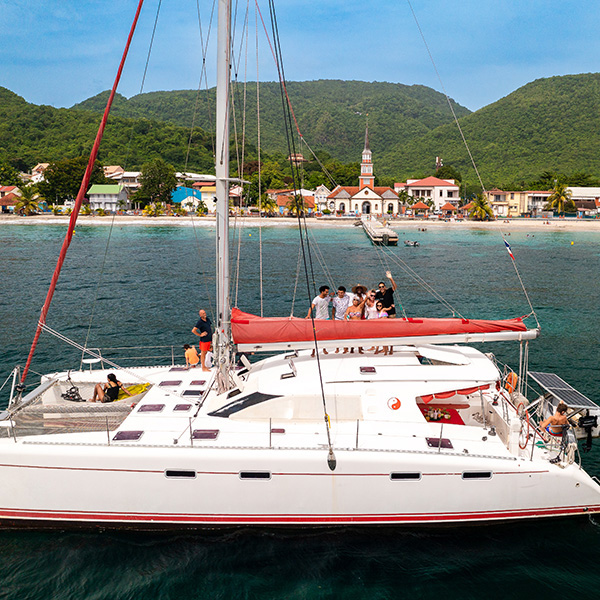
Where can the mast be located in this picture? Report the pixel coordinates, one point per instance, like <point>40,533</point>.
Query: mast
<point>223,329</point>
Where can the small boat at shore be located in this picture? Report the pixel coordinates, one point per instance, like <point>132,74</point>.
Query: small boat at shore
<point>410,243</point>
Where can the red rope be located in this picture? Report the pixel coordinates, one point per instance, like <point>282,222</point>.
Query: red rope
<point>80,195</point>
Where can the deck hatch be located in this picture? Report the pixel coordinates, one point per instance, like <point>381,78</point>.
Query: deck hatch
<point>180,474</point>
<point>182,407</point>
<point>205,434</point>
<point>477,475</point>
<point>437,443</point>
<point>127,436</point>
<point>192,393</point>
<point>170,383</point>
<point>178,369</point>
<point>151,408</point>
<point>255,475</point>
<point>198,382</point>
<point>405,476</point>
<point>241,404</point>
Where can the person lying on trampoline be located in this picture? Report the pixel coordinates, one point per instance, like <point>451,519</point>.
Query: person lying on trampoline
<point>108,392</point>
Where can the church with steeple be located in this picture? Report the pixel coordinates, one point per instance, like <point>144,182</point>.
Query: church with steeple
<point>364,199</point>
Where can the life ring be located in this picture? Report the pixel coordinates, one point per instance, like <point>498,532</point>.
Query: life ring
<point>510,382</point>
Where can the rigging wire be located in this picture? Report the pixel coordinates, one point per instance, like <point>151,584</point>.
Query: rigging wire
<point>260,254</point>
<point>331,460</point>
<point>203,50</point>
<point>112,222</point>
<point>533,313</point>
<point>426,286</point>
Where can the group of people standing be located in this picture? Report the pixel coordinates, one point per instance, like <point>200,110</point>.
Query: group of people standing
<point>360,304</point>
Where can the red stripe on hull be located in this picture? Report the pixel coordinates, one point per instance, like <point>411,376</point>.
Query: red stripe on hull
<point>93,518</point>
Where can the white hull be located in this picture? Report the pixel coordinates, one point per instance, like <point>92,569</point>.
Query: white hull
<point>267,465</point>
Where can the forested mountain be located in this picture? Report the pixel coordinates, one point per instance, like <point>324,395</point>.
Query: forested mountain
<point>549,124</point>
<point>330,114</point>
<point>30,134</point>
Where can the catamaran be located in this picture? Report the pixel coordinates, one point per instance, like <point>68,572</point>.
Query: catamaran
<point>434,432</point>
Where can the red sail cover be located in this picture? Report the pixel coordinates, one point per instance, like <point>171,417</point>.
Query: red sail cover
<point>250,329</point>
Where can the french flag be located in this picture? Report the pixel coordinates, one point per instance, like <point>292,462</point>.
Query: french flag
<point>509,250</point>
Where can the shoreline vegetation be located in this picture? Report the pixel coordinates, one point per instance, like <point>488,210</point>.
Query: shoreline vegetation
<point>555,224</point>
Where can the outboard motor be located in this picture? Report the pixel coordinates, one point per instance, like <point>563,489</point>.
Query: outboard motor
<point>587,423</point>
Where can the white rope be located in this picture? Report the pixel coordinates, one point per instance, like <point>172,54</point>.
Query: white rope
<point>469,152</point>
<point>91,353</point>
<point>296,284</point>
<point>323,168</point>
<point>260,248</point>
<point>423,283</point>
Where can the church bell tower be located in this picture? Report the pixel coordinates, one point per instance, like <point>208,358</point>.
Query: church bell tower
<point>366,179</point>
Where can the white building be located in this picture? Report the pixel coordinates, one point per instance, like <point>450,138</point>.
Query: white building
<point>109,197</point>
<point>364,199</point>
<point>440,191</point>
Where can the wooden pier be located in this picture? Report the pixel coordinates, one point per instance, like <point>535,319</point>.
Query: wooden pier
<point>379,234</point>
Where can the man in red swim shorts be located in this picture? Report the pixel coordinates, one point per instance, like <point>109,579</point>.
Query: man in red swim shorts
<point>203,330</point>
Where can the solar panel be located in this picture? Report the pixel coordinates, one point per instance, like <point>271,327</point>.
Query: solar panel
<point>561,390</point>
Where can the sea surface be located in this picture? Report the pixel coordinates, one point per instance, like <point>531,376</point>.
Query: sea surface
<point>142,286</point>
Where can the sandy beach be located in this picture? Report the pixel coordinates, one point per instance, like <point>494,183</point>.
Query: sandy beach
<point>209,221</point>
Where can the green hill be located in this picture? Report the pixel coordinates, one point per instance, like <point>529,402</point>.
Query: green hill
<point>549,124</point>
<point>30,134</point>
<point>331,114</point>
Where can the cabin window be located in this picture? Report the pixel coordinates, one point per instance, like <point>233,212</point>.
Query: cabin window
<point>205,434</point>
<point>368,370</point>
<point>127,436</point>
<point>439,443</point>
<point>405,476</point>
<point>151,408</point>
<point>198,382</point>
<point>180,474</point>
<point>255,475</point>
<point>277,430</point>
<point>192,393</point>
<point>477,475</point>
<point>182,407</point>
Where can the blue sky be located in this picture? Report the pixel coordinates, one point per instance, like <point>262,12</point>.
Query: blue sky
<point>60,52</point>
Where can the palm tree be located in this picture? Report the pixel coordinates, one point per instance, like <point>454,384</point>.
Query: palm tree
<point>481,210</point>
<point>268,205</point>
<point>296,205</point>
<point>29,202</point>
<point>154,209</point>
<point>560,197</point>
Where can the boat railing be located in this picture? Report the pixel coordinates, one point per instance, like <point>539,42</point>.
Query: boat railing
<point>162,355</point>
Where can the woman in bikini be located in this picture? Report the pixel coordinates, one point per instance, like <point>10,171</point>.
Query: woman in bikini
<point>556,424</point>
<point>108,392</point>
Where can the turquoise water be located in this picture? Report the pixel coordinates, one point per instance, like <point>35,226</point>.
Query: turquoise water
<point>154,281</point>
